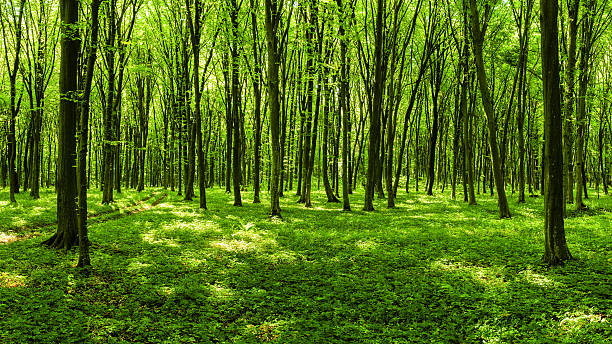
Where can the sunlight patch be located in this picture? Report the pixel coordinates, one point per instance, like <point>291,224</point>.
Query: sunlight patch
<point>166,290</point>
<point>489,277</point>
<point>234,245</point>
<point>192,259</point>
<point>220,292</point>
<point>11,280</point>
<point>366,245</point>
<point>577,320</point>
<point>137,266</point>
<point>537,279</point>
<point>267,331</point>
<point>7,238</point>
<point>150,238</point>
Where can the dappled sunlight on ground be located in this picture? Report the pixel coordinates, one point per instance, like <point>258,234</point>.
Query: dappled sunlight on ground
<point>12,280</point>
<point>433,270</point>
<point>489,277</point>
<point>7,238</point>
<point>577,320</point>
<point>538,279</point>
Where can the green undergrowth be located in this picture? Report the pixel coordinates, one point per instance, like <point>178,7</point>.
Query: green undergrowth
<point>433,270</point>
<point>28,212</point>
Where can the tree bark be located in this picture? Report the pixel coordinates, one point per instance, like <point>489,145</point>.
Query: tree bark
<point>272,26</point>
<point>477,42</point>
<point>67,233</point>
<point>375,114</point>
<point>556,250</point>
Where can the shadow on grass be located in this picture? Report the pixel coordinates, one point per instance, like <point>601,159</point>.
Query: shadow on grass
<point>434,270</point>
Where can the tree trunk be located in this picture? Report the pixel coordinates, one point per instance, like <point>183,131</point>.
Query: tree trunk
<point>583,82</point>
<point>375,114</point>
<point>272,26</point>
<point>556,250</point>
<point>568,111</point>
<point>84,244</point>
<point>236,112</point>
<point>346,206</point>
<point>478,38</point>
<point>67,233</point>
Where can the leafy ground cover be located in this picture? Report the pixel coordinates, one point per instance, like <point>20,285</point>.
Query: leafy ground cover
<point>431,271</point>
<point>27,212</point>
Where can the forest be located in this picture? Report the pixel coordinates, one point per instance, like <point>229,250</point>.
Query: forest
<point>305,171</point>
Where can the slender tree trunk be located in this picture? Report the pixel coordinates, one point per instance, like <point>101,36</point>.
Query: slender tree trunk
<point>573,9</point>
<point>236,112</point>
<point>583,82</point>
<point>84,244</point>
<point>107,148</point>
<point>15,103</point>
<point>346,206</point>
<point>272,27</point>
<point>375,114</point>
<point>478,37</point>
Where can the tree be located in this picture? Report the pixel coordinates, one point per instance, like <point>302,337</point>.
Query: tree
<point>67,233</point>
<point>15,17</point>
<point>376,109</point>
<point>84,259</point>
<point>273,19</point>
<point>235,103</point>
<point>41,38</point>
<point>568,112</point>
<point>195,28</point>
<point>478,33</point>
<point>343,97</point>
<point>556,250</point>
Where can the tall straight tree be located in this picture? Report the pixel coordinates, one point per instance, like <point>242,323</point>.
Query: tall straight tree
<point>573,8</point>
<point>235,104</point>
<point>84,259</point>
<point>13,71</point>
<point>478,33</point>
<point>195,29</point>
<point>40,50</point>
<point>556,250</point>
<point>586,44</point>
<point>257,102</point>
<point>108,116</point>
<point>272,28</point>
<point>376,106</point>
<point>67,233</point>
<point>344,86</point>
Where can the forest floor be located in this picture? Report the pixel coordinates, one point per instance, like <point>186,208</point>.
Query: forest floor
<point>431,271</point>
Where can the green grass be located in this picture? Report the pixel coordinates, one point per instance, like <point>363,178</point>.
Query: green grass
<point>431,271</point>
<point>29,212</point>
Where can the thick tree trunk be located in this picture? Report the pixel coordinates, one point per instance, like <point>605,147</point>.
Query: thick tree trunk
<point>556,250</point>
<point>67,233</point>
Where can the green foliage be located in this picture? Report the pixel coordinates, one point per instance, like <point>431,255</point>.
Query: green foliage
<point>433,270</point>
